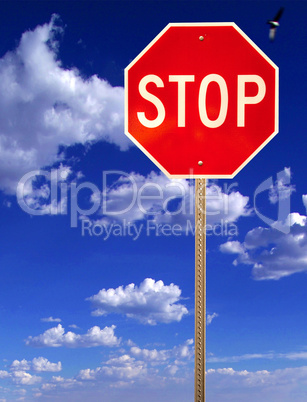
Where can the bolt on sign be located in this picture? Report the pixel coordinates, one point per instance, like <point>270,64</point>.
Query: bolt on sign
<point>201,100</point>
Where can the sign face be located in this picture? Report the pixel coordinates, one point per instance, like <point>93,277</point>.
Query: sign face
<point>201,100</point>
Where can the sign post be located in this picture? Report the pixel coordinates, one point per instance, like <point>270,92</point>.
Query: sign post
<point>201,100</point>
<point>200,289</point>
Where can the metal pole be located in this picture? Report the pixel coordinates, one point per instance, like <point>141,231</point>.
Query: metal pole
<point>200,289</point>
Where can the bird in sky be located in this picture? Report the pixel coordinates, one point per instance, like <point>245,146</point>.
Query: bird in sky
<point>274,23</point>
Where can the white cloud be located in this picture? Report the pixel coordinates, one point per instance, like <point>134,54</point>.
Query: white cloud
<point>20,377</point>
<point>59,382</point>
<point>124,368</point>
<point>127,198</point>
<point>152,355</point>
<point>4,374</point>
<point>149,303</point>
<point>247,356</point>
<point>48,386</point>
<point>44,105</point>
<point>232,247</point>
<point>42,364</point>
<point>133,368</point>
<point>51,319</point>
<point>304,198</point>
<point>141,365</point>
<point>225,205</point>
<point>210,318</point>
<point>87,374</point>
<point>24,378</point>
<point>38,364</point>
<point>58,379</point>
<point>121,368</point>
<point>134,197</point>
<point>22,365</point>
<point>300,355</point>
<point>268,386</point>
<point>44,192</point>
<point>184,351</point>
<point>282,188</point>
<point>272,253</point>
<point>56,337</point>
<point>171,370</point>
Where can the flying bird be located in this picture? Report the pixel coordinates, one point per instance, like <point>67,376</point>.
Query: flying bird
<point>274,23</point>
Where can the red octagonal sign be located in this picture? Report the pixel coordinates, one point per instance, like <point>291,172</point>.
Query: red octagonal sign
<point>201,100</point>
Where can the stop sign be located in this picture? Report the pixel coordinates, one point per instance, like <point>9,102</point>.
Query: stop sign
<point>201,100</point>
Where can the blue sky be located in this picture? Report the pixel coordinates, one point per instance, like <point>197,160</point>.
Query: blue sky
<point>97,245</point>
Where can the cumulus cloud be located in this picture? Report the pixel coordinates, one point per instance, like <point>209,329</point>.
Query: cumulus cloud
<point>141,364</point>
<point>133,197</point>
<point>56,337</point>
<point>184,351</point>
<point>123,368</point>
<point>273,253</point>
<point>152,355</point>
<point>24,378</point>
<point>44,105</point>
<point>149,303</point>
<point>42,364</point>
<point>4,374</point>
<point>133,366</point>
<point>38,364</point>
<point>20,377</point>
<point>225,204</point>
<point>20,365</point>
<point>232,247</point>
